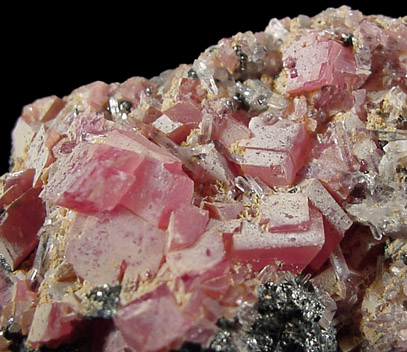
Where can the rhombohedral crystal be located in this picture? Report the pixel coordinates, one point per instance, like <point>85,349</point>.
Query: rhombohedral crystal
<point>252,200</point>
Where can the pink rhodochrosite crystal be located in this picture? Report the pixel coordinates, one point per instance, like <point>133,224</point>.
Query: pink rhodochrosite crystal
<point>253,200</point>
<point>153,321</point>
<point>313,63</point>
<point>126,244</point>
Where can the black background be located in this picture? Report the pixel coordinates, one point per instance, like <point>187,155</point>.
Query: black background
<point>53,49</point>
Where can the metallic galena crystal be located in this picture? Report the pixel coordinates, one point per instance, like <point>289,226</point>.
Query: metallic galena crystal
<point>285,318</point>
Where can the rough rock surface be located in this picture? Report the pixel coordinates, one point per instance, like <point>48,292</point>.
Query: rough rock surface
<point>252,200</point>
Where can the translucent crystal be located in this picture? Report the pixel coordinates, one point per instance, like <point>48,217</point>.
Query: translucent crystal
<point>254,94</point>
<point>395,106</point>
<point>384,209</point>
<point>389,322</point>
<point>205,72</point>
<point>276,32</point>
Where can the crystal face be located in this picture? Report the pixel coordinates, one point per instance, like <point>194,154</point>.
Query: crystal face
<point>254,199</point>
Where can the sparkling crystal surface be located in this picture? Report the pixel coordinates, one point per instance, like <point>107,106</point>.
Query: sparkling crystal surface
<point>253,199</point>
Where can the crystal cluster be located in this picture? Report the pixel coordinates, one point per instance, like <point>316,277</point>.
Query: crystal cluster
<point>287,317</point>
<point>252,200</point>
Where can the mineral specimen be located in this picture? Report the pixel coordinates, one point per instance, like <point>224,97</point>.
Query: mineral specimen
<point>252,200</point>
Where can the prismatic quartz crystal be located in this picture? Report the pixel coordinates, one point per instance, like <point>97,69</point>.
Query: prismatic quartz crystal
<point>252,200</point>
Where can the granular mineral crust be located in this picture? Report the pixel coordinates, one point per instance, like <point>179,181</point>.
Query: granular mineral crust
<point>254,199</point>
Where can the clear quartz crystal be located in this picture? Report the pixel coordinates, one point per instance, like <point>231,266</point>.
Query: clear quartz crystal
<point>276,33</point>
<point>383,306</point>
<point>255,187</point>
<point>248,184</point>
<point>384,209</point>
<point>205,71</point>
<point>254,94</point>
<point>395,105</point>
<point>206,127</point>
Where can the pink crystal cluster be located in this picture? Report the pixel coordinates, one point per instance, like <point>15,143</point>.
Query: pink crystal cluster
<point>186,190</point>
